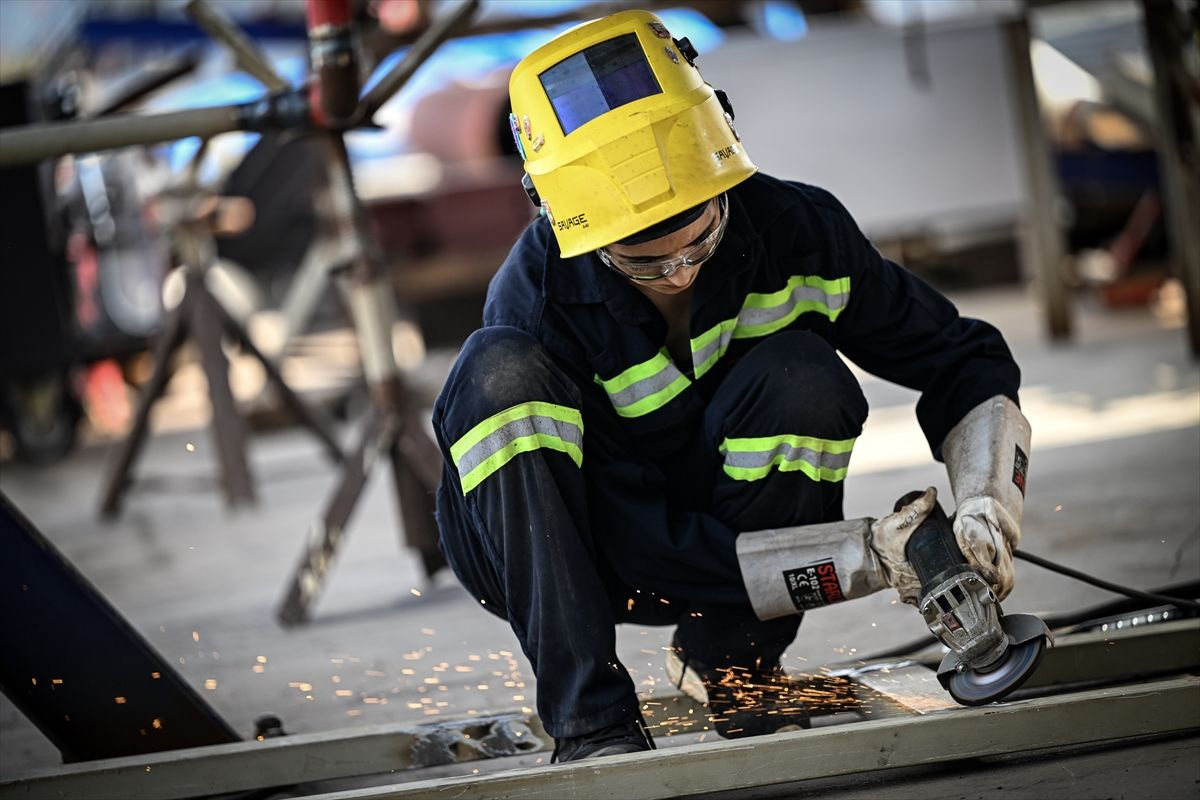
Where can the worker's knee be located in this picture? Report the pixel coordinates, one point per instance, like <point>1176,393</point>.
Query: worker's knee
<point>796,382</point>
<point>498,368</point>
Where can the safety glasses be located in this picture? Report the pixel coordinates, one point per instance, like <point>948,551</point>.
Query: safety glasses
<point>690,255</point>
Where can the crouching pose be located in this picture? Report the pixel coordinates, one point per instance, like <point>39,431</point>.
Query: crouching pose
<point>654,424</point>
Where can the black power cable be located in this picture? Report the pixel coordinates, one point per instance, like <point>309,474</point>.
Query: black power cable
<point>1106,585</point>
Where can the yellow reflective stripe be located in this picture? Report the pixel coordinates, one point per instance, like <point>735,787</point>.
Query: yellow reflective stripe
<point>815,473</point>
<point>626,378</point>
<point>753,458</point>
<point>524,427</point>
<point>645,387</point>
<point>763,313</point>
<point>708,347</point>
<point>754,444</point>
<point>655,401</point>
<point>517,446</point>
<point>824,296</point>
<point>497,421</point>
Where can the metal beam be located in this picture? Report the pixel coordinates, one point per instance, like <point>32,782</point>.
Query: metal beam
<point>245,52</point>
<point>1177,134</point>
<point>1044,242</point>
<point>283,761</point>
<point>1083,718</point>
<point>1165,648</point>
<point>882,691</point>
<point>899,689</point>
<point>30,143</point>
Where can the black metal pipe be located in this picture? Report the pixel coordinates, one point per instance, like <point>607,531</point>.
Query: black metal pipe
<point>35,142</point>
<point>245,52</point>
<point>441,30</point>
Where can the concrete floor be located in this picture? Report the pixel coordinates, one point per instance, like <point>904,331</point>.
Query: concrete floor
<point>1114,489</point>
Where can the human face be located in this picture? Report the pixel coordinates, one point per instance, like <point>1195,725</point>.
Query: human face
<point>658,264</point>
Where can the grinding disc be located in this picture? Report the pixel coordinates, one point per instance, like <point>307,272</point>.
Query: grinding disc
<point>975,688</point>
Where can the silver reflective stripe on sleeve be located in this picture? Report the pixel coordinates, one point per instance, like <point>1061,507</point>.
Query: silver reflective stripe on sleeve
<point>520,429</point>
<point>763,313</point>
<point>645,387</point>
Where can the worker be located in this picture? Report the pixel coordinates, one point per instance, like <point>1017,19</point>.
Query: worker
<point>654,425</point>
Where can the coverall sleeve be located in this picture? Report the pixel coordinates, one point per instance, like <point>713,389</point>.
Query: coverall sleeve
<point>899,328</point>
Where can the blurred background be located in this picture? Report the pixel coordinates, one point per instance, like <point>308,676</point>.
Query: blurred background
<point>1036,160</point>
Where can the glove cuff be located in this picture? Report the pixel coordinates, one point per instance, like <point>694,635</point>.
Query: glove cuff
<point>790,570</point>
<point>987,455</point>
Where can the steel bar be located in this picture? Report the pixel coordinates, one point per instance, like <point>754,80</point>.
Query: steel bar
<point>311,418</point>
<point>1177,136</point>
<point>395,430</point>
<point>147,80</point>
<point>1102,715</point>
<point>415,494</point>
<point>228,429</point>
<point>376,750</point>
<point>35,142</point>
<point>1133,652</point>
<point>78,670</point>
<point>442,29</point>
<point>172,334</point>
<point>900,689</point>
<point>284,760</point>
<point>245,53</point>
<point>1044,243</point>
<point>1078,659</point>
<point>325,534</point>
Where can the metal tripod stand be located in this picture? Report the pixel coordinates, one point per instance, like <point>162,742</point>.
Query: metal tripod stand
<point>329,107</point>
<point>201,317</point>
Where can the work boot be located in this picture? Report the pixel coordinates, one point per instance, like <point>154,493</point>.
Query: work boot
<point>741,701</point>
<point>627,736</point>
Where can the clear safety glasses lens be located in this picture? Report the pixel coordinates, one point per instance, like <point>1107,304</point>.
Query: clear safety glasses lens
<point>653,269</point>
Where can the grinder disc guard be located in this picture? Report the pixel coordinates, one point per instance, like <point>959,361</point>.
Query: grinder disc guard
<point>1027,636</point>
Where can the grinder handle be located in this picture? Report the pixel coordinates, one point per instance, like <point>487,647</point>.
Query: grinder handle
<point>932,549</point>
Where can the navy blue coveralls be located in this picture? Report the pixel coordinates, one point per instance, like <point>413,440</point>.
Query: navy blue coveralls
<point>590,480</point>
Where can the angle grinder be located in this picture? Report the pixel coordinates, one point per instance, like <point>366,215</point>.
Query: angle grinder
<point>991,653</point>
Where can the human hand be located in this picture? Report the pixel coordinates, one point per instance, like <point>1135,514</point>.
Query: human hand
<point>889,536</point>
<point>987,534</point>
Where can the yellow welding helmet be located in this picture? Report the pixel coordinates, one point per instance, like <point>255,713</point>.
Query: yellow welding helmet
<point>619,132</point>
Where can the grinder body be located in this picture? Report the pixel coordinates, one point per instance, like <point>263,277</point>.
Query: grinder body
<point>990,654</point>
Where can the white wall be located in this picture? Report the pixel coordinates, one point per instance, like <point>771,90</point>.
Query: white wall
<point>839,109</point>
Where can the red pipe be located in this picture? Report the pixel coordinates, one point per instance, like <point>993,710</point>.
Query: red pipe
<point>334,95</point>
<point>328,12</point>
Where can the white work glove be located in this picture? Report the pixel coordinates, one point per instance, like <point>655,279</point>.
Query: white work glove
<point>987,457</point>
<point>890,535</point>
<point>987,534</point>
